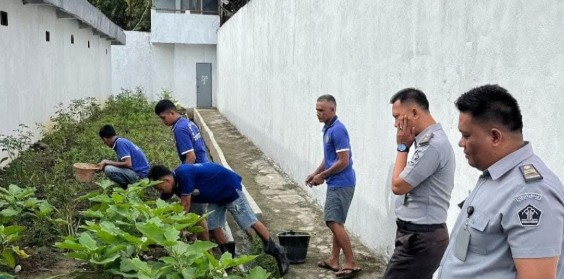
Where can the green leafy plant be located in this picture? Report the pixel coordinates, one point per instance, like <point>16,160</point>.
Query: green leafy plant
<point>14,144</point>
<point>17,203</point>
<point>121,229</point>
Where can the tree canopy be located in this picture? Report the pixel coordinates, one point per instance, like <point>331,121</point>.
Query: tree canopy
<point>131,15</point>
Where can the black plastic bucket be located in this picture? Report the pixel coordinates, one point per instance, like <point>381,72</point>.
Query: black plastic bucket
<point>296,244</point>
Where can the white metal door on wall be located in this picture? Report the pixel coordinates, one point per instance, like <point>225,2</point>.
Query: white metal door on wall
<point>203,85</point>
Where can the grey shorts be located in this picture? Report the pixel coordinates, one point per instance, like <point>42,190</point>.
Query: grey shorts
<point>337,203</point>
<point>239,209</point>
<point>198,208</point>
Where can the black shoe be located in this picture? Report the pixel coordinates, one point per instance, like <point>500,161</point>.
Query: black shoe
<point>279,253</point>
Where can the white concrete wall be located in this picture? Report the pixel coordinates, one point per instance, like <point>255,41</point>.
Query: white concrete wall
<point>277,57</point>
<point>35,75</point>
<point>156,67</point>
<point>131,63</point>
<point>183,28</point>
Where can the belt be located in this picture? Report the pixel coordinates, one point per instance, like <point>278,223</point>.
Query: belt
<point>408,226</point>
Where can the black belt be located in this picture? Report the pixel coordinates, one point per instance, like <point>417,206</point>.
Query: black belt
<point>408,226</point>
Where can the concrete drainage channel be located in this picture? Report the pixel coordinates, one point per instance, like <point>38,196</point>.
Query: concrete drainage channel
<point>242,238</point>
<point>285,204</point>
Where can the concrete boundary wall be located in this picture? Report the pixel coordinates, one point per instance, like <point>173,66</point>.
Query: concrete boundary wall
<point>217,154</point>
<point>276,57</point>
<point>156,67</point>
<point>47,59</point>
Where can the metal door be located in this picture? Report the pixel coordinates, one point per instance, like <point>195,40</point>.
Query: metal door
<point>203,85</point>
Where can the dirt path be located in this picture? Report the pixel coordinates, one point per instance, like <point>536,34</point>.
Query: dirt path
<point>285,205</point>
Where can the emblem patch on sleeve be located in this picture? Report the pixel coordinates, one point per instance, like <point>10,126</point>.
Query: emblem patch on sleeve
<point>530,216</point>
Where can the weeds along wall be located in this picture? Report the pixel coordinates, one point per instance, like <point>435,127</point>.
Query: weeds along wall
<point>46,59</point>
<point>276,57</point>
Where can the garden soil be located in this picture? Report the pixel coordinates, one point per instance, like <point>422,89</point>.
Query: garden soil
<point>284,204</point>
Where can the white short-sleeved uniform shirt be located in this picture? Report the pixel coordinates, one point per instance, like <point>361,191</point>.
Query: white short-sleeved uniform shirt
<point>518,212</point>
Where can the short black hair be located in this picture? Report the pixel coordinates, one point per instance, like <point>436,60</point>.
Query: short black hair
<point>492,103</point>
<point>107,131</point>
<point>411,95</point>
<point>327,98</point>
<point>164,105</point>
<point>157,172</point>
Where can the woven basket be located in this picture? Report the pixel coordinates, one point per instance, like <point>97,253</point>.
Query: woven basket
<point>84,172</point>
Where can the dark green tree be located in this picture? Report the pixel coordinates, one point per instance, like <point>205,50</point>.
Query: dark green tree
<point>133,15</point>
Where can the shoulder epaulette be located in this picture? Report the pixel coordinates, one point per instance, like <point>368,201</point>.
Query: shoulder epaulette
<point>530,173</point>
<point>426,139</point>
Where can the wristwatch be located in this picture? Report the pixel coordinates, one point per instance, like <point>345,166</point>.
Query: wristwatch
<point>403,148</point>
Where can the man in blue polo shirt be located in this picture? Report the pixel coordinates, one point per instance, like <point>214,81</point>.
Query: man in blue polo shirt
<point>336,168</point>
<point>131,164</point>
<point>190,147</point>
<point>189,142</point>
<point>221,188</point>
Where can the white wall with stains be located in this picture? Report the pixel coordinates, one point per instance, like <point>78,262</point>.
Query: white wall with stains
<point>276,57</point>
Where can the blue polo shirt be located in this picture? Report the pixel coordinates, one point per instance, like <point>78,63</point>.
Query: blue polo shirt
<point>188,138</point>
<point>215,183</point>
<point>336,139</point>
<point>126,149</point>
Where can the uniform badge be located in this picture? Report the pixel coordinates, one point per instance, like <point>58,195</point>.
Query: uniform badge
<point>526,196</point>
<point>426,139</point>
<point>529,216</point>
<point>327,139</point>
<point>530,173</point>
<point>415,157</point>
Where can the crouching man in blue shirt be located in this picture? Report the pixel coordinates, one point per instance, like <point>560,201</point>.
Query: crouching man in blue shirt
<point>131,164</point>
<point>221,188</point>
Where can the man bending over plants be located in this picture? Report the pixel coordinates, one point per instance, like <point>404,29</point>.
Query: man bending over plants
<point>190,147</point>
<point>221,188</point>
<point>132,163</point>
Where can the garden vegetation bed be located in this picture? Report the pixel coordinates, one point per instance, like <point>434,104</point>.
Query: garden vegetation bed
<point>53,225</point>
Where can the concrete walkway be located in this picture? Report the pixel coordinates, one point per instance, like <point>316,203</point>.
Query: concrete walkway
<point>285,206</point>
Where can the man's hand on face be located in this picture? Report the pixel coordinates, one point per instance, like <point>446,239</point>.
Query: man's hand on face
<point>405,131</point>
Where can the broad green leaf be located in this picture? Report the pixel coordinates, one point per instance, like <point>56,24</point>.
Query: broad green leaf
<point>227,261</point>
<point>188,273</point>
<point>117,198</point>
<point>199,247</point>
<point>120,210</point>
<point>105,184</point>
<point>9,212</point>
<point>9,258</point>
<point>132,239</point>
<point>135,264</point>
<point>258,273</point>
<point>45,209</point>
<point>168,260</point>
<point>13,229</point>
<point>116,248</point>
<point>6,276</point>
<point>101,198</point>
<point>106,259</point>
<point>87,240</point>
<point>160,236</point>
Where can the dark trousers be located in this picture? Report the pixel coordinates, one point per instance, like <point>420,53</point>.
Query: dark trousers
<point>418,252</point>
